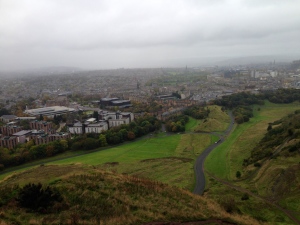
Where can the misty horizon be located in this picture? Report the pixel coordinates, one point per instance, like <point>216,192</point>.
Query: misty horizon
<point>114,34</point>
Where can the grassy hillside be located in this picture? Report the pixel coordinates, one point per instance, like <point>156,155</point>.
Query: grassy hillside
<point>275,179</point>
<point>92,196</point>
<point>177,169</point>
<point>217,120</point>
<point>228,158</point>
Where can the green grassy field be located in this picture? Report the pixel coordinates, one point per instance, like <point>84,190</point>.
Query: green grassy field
<point>169,159</point>
<point>226,159</point>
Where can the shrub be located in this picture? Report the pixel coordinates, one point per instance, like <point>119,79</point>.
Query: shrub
<point>257,164</point>
<point>229,204</point>
<point>35,197</point>
<point>245,197</point>
<point>2,167</point>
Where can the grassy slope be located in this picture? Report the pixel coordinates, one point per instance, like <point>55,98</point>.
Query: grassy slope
<point>216,121</point>
<point>225,160</point>
<point>166,158</point>
<point>178,169</point>
<point>93,196</point>
<point>192,124</point>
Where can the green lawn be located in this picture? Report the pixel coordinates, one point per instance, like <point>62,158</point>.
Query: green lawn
<point>156,147</point>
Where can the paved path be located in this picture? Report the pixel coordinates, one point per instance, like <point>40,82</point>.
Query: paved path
<point>199,166</point>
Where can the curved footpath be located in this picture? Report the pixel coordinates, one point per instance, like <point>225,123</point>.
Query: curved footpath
<point>199,166</point>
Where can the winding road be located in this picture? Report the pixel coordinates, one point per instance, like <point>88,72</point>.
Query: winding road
<point>199,166</point>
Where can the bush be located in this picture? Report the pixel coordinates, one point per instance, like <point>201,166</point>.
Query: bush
<point>33,196</point>
<point>245,197</point>
<point>257,164</point>
<point>229,204</point>
<point>2,167</point>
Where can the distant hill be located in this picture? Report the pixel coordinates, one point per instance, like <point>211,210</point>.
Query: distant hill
<point>261,59</point>
<point>40,71</point>
<point>93,196</point>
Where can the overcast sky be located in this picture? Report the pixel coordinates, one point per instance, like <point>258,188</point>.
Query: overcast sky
<point>98,34</point>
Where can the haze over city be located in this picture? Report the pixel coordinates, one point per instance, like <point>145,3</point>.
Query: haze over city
<point>114,34</point>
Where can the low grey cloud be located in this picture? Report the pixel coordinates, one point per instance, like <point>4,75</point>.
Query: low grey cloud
<point>48,32</point>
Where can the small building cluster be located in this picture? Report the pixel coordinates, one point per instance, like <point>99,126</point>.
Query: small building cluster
<point>40,132</point>
<point>105,121</point>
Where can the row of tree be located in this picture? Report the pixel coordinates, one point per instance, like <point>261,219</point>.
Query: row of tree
<point>241,102</point>
<point>29,151</point>
<point>176,123</point>
<point>197,112</point>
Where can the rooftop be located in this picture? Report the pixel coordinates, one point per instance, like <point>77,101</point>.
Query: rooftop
<point>22,132</point>
<point>54,110</point>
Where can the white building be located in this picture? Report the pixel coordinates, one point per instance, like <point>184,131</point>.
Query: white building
<point>96,127</point>
<point>107,120</point>
<point>118,122</point>
<point>76,128</point>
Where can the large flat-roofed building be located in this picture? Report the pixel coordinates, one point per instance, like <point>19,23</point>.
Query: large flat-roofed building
<point>87,127</point>
<point>107,101</point>
<point>22,136</point>
<point>49,111</point>
<point>46,138</point>
<point>96,127</point>
<point>111,102</point>
<point>115,119</point>
<point>10,130</point>
<point>8,142</point>
<point>121,103</point>
<point>76,128</point>
<point>42,125</point>
<point>8,118</point>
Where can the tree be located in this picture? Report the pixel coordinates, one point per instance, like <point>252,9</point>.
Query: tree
<point>238,174</point>
<point>64,144</point>
<point>90,143</point>
<point>102,140</point>
<point>130,136</point>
